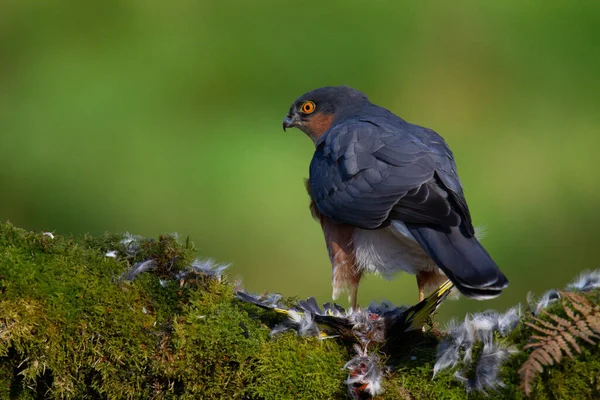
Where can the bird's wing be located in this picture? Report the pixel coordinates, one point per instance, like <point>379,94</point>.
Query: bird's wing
<point>445,170</point>
<point>366,172</point>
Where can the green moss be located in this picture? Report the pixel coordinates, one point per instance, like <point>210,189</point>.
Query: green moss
<point>289,368</point>
<point>71,327</point>
<point>577,378</point>
<point>411,377</point>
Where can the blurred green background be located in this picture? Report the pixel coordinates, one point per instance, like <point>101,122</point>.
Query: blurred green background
<point>152,116</point>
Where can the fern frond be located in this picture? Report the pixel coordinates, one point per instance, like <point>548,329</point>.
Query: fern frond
<point>585,333</point>
<point>555,352</point>
<point>528,372</point>
<point>559,336</point>
<point>544,357</point>
<point>562,340</point>
<point>569,311</point>
<point>540,343</point>
<point>545,331</point>
<point>559,320</point>
<point>530,368</point>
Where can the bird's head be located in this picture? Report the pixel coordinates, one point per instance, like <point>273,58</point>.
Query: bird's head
<point>314,112</point>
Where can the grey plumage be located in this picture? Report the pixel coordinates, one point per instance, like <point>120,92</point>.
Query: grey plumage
<point>207,268</point>
<point>488,367</point>
<point>204,267</point>
<point>549,297</point>
<point>304,323</point>
<point>460,341</point>
<point>508,321</point>
<point>361,325</point>
<point>385,307</point>
<point>130,244</point>
<point>377,323</point>
<point>372,168</point>
<point>138,268</point>
<point>487,371</point>
<point>588,280</point>
<point>460,337</point>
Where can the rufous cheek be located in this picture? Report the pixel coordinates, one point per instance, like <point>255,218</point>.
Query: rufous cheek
<point>318,124</point>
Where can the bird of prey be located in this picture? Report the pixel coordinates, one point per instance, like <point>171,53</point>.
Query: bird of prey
<point>388,197</point>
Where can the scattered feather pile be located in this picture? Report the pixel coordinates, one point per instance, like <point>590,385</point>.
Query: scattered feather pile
<point>585,282</point>
<point>461,339</point>
<point>375,324</point>
<point>554,336</point>
<point>475,347</point>
<point>203,267</point>
<point>130,246</point>
<point>364,374</point>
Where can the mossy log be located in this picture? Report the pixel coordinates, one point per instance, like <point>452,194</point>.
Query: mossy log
<point>73,326</point>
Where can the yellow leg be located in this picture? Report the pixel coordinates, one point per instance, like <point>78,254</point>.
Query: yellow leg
<point>421,279</point>
<point>421,285</point>
<point>354,295</point>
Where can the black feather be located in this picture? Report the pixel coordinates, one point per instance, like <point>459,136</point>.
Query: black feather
<point>462,258</point>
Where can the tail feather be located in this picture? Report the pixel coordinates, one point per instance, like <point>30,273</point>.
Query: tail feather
<point>417,315</point>
<point>462,258</point>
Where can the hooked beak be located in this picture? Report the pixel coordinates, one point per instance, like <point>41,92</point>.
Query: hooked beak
<point>289,121</point>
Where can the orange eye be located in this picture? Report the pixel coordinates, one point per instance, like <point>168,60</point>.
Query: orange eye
<point>308,107</point>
